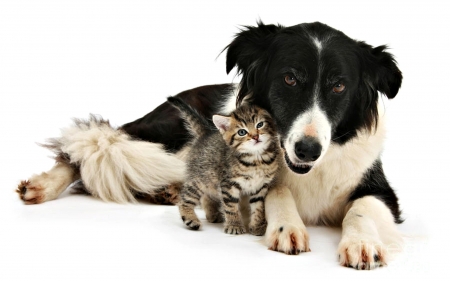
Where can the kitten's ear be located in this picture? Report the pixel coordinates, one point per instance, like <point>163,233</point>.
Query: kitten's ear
<point>222,123</point>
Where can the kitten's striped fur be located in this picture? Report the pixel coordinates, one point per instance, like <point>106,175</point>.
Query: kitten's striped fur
<point>241,157</point>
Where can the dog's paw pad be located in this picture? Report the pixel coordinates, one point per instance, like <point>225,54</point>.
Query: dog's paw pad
<point>289,239</point>
<point>361,255</point>
<point>29,193</point>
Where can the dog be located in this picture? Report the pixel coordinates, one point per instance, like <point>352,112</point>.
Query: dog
<point>323,91</point>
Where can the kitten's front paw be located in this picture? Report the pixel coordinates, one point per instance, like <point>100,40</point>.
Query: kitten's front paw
<point>361,254</point>
<point>258,228</point>
<point>289,239</point>
<point>234,229</point>
<point>192,222</point>
<point>31,193</point>
<point>215,217</point>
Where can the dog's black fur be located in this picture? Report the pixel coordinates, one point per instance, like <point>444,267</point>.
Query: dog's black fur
<point>321,87</point>
<point>264,55</point>
<point>164,125</point>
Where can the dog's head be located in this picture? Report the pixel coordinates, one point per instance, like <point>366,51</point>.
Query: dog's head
<point>320,85</point>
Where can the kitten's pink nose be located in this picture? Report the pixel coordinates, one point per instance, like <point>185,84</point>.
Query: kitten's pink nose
<point>255,137</point>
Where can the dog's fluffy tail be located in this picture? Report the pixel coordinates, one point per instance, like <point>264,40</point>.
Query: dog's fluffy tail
<point>113,166</point>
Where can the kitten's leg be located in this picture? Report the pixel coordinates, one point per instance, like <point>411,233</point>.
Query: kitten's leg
<point>213,210</point>
<point>190,198</point>
<point>230,197</point>
<point>47,185</point>
<point>258,223</point>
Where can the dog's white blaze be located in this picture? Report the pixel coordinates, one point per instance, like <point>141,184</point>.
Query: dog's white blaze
<point>312,120</point>
<point>322,194</point>
<point>318,44</point>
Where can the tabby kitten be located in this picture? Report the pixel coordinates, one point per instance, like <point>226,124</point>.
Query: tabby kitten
<point>240,156</point>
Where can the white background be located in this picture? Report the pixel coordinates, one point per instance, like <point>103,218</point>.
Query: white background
<point>121,59</point>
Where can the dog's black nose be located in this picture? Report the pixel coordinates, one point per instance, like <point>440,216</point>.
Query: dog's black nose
<point>308,149</point>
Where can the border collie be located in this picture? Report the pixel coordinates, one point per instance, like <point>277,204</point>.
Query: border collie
<point>323,90</point>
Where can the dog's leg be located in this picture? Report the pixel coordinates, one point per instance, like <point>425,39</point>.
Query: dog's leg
<point>286,231</point>
<point>166,195</point>
<point>113,166</point>
<point>48,185</point>
<point>369,235</point>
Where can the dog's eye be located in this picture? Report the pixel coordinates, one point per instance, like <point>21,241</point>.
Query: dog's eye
<point>290,80</point>
<point>338,88</point>
<point>242,132</point>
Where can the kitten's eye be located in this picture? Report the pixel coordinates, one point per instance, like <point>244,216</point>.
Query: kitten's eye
<point>242,132</point>
<point>290,80</point>
<point>338,88</point>
<point>259,125</point>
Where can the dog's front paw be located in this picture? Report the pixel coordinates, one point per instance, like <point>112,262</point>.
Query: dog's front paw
<point>30,193</point>
<point>361,254</point>
<point>289,239</point>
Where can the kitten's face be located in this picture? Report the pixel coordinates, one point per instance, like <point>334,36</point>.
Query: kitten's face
<point>249,129</point>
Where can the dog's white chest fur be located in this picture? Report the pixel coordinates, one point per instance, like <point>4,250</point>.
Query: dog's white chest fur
<point>321,194</point>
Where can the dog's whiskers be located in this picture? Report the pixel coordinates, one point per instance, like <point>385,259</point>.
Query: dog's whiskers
<point>343,135</point>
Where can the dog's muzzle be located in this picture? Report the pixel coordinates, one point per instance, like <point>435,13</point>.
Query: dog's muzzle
<point>299,168</point>
<point>306,151</point>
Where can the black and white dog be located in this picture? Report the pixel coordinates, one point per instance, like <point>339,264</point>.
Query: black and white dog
<point>322,89</point>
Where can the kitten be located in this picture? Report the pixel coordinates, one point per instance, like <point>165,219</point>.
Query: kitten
<point>240,156</point>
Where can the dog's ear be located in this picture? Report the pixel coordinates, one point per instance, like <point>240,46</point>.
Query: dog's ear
<point>381,71</point>
<point>249,45</point>
<point>249,52</point>
<point>379,74</point>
